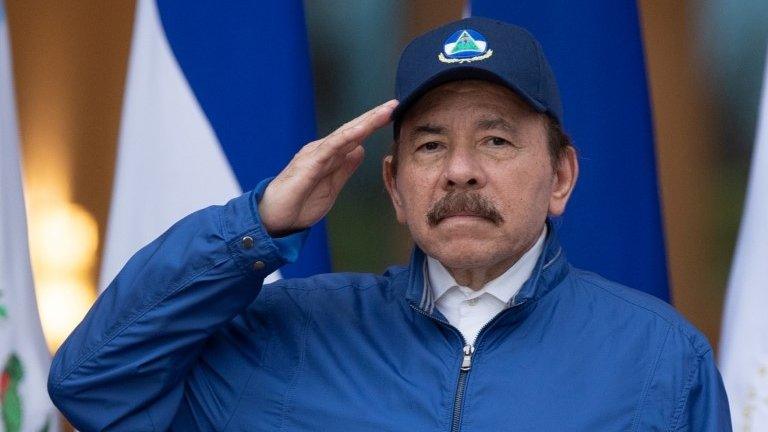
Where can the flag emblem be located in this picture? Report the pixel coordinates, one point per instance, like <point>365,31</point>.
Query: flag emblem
<point>464,46</point>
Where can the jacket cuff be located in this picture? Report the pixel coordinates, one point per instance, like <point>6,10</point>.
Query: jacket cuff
<point>250,245</point>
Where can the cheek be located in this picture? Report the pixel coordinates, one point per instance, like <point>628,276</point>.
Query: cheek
<point>417,189</point>
<point>526,190</point>
<point>541,194</point>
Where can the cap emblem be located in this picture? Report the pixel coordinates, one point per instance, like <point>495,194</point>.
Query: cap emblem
<point>465,46</point>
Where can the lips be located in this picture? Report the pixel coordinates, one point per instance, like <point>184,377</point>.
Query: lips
<point>462,215</point>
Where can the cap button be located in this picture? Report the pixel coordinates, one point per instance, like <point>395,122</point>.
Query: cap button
<point>247,242</point>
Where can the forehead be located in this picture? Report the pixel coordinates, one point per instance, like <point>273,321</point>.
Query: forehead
<point>468,98</point>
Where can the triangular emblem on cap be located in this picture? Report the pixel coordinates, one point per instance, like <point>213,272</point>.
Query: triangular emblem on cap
<point>464,46</point>
<point>465,43</point>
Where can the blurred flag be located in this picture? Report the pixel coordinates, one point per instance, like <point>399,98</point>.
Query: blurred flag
<point>24,357</point>
<point>218,97</point>
<point>613,223</point>
<point>744,341</point>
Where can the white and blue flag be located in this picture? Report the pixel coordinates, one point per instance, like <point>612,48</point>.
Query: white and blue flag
<point>744,339</point>
<point>218,97</point>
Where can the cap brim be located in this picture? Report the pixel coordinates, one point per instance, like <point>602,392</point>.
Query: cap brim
<point>455,74</point>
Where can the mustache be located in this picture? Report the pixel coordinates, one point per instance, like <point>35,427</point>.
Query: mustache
<point>463,203</point>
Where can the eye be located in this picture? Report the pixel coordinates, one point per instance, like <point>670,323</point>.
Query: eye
<point>498,141</point>
<point>430,146</point>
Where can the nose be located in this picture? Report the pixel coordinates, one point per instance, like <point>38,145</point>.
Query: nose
<point>463,171</point>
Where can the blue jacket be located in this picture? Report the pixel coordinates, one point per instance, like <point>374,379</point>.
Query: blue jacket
<point>187,339</point>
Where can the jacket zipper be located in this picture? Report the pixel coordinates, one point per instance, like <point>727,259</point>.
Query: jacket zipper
<point>458,400</point>
<point>467,352</point>
<point>466,366</point>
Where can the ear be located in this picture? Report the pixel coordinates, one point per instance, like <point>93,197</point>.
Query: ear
<point>390,182</point>
<point>564,180</point>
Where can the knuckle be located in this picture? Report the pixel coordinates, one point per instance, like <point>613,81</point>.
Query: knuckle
<point>308,148</point>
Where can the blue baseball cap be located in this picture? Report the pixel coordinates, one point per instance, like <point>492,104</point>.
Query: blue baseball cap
<point>477,48</point>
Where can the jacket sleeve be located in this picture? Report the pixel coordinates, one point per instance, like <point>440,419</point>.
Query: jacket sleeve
<point>704,406</point>
<point>124,366</point>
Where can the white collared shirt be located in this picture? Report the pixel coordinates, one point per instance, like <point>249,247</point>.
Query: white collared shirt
<point>469,310</point>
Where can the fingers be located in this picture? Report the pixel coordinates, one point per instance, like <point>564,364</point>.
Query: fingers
<point>322,158</point>
<point>318,172</point>
<point>349,136</point>
<point>389,105</point>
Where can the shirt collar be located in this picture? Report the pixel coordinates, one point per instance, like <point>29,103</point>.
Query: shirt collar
<point>503,287</point>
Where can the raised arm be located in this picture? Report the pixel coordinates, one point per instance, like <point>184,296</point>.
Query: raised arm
<point>124,366</point>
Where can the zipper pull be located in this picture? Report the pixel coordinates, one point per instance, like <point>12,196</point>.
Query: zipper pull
<point>466,363</point>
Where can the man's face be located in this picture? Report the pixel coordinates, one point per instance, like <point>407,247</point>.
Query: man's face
<point>474,181</point>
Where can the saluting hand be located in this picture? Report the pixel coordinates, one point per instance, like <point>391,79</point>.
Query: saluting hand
<point>306,189</point>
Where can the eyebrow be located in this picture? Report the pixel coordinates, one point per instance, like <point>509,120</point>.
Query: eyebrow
<point>495,123</point>
<point>484,124</point>
<point>428,129</point>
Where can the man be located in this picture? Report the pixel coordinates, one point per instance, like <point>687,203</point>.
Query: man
<point>489,328</point>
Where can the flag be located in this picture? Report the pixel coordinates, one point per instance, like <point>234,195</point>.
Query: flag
<point>744,339</point>
<point>24,357</point>
<point>613,222</point>
<point>218,97</point>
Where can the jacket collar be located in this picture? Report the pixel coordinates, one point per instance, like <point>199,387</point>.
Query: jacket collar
<point>550,269</point>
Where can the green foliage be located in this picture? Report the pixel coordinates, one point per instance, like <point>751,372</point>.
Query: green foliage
<point>12,409</point>
<point>14,368</point>
<point>11,401</point>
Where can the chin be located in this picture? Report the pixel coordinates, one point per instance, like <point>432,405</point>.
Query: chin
<point>464,253</point>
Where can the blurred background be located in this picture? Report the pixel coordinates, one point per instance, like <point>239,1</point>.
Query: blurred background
<point>704,59</point>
